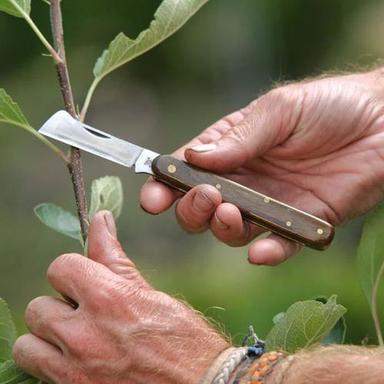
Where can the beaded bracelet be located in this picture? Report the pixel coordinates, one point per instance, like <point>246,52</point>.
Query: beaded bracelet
<point>236,357</point>
<point>245,365</point>
<point>239,358</point>
<point>259,370</point>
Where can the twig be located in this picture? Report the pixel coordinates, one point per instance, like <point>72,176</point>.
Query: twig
<point>27,18</point>
<point>75,166</point>
<point>88,99</point>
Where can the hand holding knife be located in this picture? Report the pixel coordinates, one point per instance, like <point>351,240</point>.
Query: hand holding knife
<point>257,208</point>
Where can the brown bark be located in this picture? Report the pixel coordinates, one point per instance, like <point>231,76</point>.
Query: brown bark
<point>75,165</point>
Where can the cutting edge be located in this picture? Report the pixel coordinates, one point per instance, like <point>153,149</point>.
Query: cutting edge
<point>64,128</point>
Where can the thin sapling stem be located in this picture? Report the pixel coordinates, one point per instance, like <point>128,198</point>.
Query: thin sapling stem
<point>75,166</point>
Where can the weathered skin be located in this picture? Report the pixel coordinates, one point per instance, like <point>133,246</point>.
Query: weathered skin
<point>119,330</point>
<point>317,145</point>
<point>122,332</point>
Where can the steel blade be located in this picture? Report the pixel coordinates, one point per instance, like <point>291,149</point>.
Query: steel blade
<point>63,127</point>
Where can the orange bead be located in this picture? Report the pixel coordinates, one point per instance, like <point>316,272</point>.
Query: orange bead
<point>263,370</point>
<point>255,376</point>
<point>262,366</point>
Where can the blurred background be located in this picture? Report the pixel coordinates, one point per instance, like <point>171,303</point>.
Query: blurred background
<point>227,55</point>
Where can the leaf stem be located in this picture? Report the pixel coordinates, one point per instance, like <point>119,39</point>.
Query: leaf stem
<point>75,166</point>
<point>88,99</point>
<point>45,141</point>
<point>375,306</point>
<point>42,138</point>
<point>38,33</point>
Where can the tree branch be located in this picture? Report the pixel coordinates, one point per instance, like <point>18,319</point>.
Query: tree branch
<point>75,166</point>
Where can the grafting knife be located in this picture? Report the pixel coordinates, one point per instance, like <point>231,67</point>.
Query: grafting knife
<point>255,207</point>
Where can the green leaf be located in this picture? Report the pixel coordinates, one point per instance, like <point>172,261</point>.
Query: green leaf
<point>337,334</point>
<point>305,323</point>
<point>169,17</point>
<point>107,193</point>
<point>370,253</point>
<point>59,220</point>
<point>13,7</point>
<point>10,112</point>
<point>11,374</point>
<point>278,317</point>
<point>8,332</point>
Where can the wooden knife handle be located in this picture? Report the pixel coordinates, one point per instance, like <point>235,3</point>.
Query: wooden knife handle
<point>255,207</point>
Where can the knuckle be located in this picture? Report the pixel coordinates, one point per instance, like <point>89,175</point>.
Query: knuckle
<point>280,97</point>
<point>19,348</point>
<point>32,309</point>
<point>63,261</point>
<point>194,210</point>
<point>126,269</point>
<point>189,223</point>
<point>108,295</point>
<point>242,132</point>
<point>288,97</point>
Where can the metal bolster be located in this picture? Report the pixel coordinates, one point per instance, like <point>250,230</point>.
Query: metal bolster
<point>144,162</point>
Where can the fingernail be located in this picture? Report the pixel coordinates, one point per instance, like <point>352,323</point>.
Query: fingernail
<point>219,223</point>
<point>201,202</point>
<point>203,148</point>
<point>110,222</point>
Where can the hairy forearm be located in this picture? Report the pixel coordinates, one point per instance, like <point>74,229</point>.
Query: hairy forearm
<point>331,365</point>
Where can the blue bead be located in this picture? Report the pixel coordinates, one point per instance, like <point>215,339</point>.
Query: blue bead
<point>256,350</point>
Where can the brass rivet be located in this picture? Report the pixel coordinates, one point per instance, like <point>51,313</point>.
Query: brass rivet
<point>288,223</point>
<point>171,168</point>
<point>320,231</point>
<point>218,186</point>
<point>267,200</point>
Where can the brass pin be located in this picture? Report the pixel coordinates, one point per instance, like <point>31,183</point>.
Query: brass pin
<point>172,168</point>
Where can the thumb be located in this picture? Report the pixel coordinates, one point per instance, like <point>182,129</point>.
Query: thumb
<point>104,247</point>
<point>266,123</point>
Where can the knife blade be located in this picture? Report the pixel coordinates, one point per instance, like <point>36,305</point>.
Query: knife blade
<point>257,208</point>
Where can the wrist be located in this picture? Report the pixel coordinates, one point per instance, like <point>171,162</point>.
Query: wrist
<point>202,366</point>
<point>246,365</point>
<point>375,80</point>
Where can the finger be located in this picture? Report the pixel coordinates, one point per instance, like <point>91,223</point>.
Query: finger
<point>40,359</point>
<point>155,197</point>
<point>76,277</point>
<point>214,132</point>
<point>267,123</point>
<point>228,226</point>
<point>46,317</point>
<point>104,248</point>
<point>272,251</point>
<point>195,209</point>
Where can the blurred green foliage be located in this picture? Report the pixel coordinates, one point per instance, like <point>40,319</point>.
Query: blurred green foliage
<point>229,53</point>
